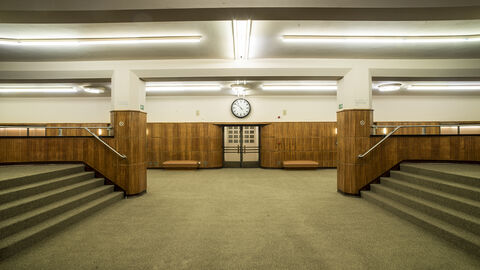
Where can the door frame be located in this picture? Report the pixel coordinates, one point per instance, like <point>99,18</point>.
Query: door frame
<point>241,163</point>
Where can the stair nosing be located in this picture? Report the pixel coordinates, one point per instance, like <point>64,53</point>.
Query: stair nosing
<point>41,175</point>
<point>43,182</point>
<point>433,191</point>
<point>29,232</point>
<point>440,181</point>
<point>43,209</point>
<point>413,165</point>
<point>48,193</point>
<point>436,206</point>
<point>452,229</point>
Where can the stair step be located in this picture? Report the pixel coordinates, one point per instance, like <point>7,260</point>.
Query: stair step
<point>451,216</point>
<point>17,192</point>
<point>26,204</point>
<point>37,177</point>
<point>467,206</point>
<point>417,168</point>
<point>25,238</point>
<point>28,219</point>
<point>467,191</point>
<point>460,237</point>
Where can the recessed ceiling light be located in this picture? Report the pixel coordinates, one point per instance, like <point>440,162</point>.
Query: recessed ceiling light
<point>301,86</point>
<point>172,87</point>
<point>460,87</point>
<point>94,90</point>
<point>99,41</point>
<point>38,90</point>
<point>383,39</point>
<point>241,38</point>
<point>388,87</point>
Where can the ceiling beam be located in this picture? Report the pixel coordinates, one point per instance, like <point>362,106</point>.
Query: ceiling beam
<point>215,14</point>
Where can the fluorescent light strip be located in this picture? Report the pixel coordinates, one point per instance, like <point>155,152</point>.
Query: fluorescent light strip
<point>100,41</point>
<point>180,87</point>
<point>443,87</point>
<point>383,39</point>
<point>389,87</point>
<point>92,90</point>
<point>267,87</point>
<point>241,38</point>
<point>39,90</point>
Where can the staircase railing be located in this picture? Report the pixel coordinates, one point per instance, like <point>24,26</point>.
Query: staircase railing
<point>109,129</point>
<point>396,128</point>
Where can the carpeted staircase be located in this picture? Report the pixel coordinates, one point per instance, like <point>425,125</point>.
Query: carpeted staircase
<point>35,205</point>
<point>442,198</point>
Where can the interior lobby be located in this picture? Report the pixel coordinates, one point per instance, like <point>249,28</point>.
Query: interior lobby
<point>239,134</point>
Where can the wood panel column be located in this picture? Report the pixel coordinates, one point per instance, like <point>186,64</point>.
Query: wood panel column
<point>353,137</point>
<point>131,140</point>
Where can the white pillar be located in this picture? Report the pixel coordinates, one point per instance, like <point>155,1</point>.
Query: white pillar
<point>355,90</point>
<point>128,91</point>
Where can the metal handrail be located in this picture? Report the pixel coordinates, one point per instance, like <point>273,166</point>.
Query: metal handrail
<point>85,128</point>
<point>406,126</point>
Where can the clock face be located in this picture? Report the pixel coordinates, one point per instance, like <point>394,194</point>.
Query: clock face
<point>241,108</point>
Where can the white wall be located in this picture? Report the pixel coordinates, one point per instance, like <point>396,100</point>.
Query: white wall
<point>423,108</point>
<point>217,109</point>
<point>55,110</point>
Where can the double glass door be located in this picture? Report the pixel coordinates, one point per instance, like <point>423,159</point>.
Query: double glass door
<point>241,146</point>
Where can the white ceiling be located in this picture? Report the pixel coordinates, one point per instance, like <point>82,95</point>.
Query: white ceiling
<point>267,43</point>
<point>217,40</point>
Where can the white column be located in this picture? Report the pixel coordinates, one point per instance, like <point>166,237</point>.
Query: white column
<point>128,91</point>
<point>355,90</point>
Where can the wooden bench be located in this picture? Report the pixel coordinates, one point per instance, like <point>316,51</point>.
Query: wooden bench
<point>181,164</point>
<point>300,164</point>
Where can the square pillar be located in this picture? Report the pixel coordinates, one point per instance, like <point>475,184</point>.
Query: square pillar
<point>130,124</point>
<point>354,121</point>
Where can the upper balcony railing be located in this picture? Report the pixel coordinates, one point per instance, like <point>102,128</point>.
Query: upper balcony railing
<point>457,127</point>
<point>28,129</point>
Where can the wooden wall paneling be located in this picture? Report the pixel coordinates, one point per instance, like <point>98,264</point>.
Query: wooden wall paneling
<point>296,140</point>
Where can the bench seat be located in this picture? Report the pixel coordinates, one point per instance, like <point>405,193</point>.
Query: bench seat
<point>181,164</point>
<point>300,164</point>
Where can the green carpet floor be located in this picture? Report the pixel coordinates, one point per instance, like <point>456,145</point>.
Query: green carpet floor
<point>243,219</point>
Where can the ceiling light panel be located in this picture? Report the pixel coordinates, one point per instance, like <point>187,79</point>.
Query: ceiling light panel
<point>300,86</point>
<point>241,38</point>
<point>100,41</point>
<point>33,89</point>
<point>181,86</point>
<point>444,87</point>
<point>381,39</point>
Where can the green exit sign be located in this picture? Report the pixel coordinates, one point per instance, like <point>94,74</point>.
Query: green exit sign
<point>340,106</point>
<point>141,107</point>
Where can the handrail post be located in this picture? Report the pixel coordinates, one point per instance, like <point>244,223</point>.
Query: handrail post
<point>59,132</point>
<point>424,130</point>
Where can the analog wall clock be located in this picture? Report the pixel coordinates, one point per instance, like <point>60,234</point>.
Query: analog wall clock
<point>241,107</point>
